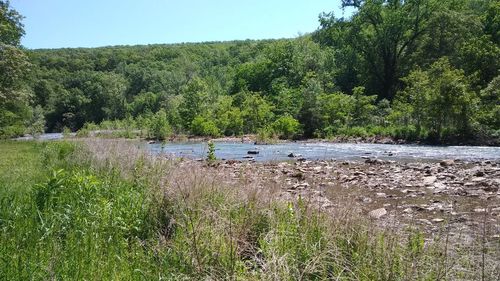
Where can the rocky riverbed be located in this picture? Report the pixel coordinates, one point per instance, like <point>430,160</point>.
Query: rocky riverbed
<point>459,199</point>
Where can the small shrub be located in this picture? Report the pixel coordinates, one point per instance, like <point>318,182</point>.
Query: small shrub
<point>66,132</point>
<point>36,124</point>
<point>380,131</point>
<point>159,128</point>
<point>11,131</point>
<point>57,154</point>
<point>409,132</point>
<point>126,133</point>
<point>87,130</point>
<point>353,131</point>
<point>204,127</point>
<point>211,152</point>
<point>287,127</point>
<point>265,135</point>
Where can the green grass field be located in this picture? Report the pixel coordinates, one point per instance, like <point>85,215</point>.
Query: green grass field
<point>70,211</point>
<point>20,166</point>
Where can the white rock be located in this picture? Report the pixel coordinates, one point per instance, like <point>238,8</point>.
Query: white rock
<point>439,185</point>
<point>377,213</point>
<point>301,185</point>
<point>408,210</point>
<point>429,180</point>
<point>478,179</point>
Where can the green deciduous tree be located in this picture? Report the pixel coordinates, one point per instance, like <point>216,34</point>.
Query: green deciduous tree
<point>287,127</point>
<point>14,98</point>
<point>481,58</point>
<point>364,107</point>
<point>36,123</point>
<point>383,34</point>
<point>439,101</point>
<point>339,80</point>
<point>491,21</point>
<point>309,115</point>
<point>489,115</point>
<point>256,112</point>
<point>201,126</point>
<point>158,126</point>
<point>336,111</point>
<point>11,26</point>
<point>195,100</point>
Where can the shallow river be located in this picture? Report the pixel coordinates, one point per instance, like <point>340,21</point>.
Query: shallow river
<point>316,151</point>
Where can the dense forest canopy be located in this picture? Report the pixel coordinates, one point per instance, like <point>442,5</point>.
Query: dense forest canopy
<point>414,69</point>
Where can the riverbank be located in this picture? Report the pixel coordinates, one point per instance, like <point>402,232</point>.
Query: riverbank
<point>104,209</point>
<point>338,139</point>
<point>456,194</point>
<point>252,138</point>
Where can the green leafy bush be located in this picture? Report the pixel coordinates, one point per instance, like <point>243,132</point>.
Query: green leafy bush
<point>266,135</point>
<point>437,103</point>
<point>211,152</point>
<point>80,204</point>
<point>87,130</point>
<point>287,127</point>
<point>353,131</point>
<point>158,126</point>
<point>36,124</point>
<point>204,127</point>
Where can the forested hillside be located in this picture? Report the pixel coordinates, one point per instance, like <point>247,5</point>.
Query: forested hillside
<point>417,70</point>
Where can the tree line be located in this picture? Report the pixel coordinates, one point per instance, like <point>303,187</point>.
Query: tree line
<point>416,70</point>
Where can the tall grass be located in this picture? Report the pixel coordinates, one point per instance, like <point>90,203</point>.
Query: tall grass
<point>105,210</point>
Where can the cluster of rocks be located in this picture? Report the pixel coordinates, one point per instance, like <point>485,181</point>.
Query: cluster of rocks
<point>434,194</point>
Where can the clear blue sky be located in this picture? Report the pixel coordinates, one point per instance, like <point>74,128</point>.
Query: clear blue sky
<point>92,23</point>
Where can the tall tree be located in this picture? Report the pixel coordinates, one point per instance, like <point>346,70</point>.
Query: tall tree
<point>438,102</point>
<point>309,114</point>
<point>11,27</point>
<point>12,60</point>
<point>383,33</point>
<point>13,65</point>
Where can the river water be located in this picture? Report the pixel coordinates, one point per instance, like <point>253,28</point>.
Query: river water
<point>46,136</point>
<point>317,151</point>
<point>321,150</point>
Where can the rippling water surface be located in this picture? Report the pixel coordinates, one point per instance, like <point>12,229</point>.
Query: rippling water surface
<point>316,151</point>
<point>319,150</point>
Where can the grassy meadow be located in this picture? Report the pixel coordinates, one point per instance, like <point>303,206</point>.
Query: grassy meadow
<point>104,210</point>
